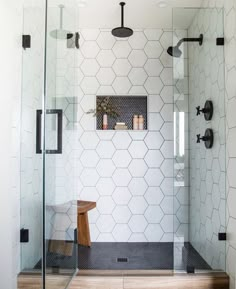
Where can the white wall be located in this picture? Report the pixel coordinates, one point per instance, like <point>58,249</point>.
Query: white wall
<point>10,59</point>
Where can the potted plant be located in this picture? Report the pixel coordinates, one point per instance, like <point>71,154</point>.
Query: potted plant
<point>106,109</point>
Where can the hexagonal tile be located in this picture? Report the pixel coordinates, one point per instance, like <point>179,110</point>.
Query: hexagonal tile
<point>104,224</point>
<point>106,76</point>
<point>121,196</point>
<point>138,186</point>
<point>154,195</point>
<point>154,158</point>
<point>90,67</point>
<point>216,196</point>
<point>154,233</point>
<point>138,237</point>
<point>105,237</point>
<point>138,149</point>
<point>137,58</point>
<point>153,34</point>
<point>89,85</point>
<point>105,186</point>
<point>90,49</point>
<point>155,103</point>
<point>138,40</point>
<point>121,158</point>
<point>137,76</point>
<point>90,34</point>
<point>138,224</point>
<point>121,214</point>
<point>105,58</point>
<point>166,39</point>
<point>121,67</point>
<point>121,85</point>
<point>153,85</point>
<point>105,168</point>
<point>153,49</point>
<point>105,205</point>
<point>121,140</point>
<point>61,222</point>
<point>154,177</point>
<point>154,140</point>
<point>105,40</point>
<point>167,112</point>
<point>155,121</point>
<point>167,76</point>
<point>87,103</point>
<point>167,224</point>
<point>182,214</point>
<point>138,168</point>
<point>121,233</point>
<point>167,205</point>
<point>121,177</point>
<point>167,94</point>
<point>89,194</point>
<point>167,149</point>
<point>94,232</point>
<point>89,177</point>
<point>138,205</point>
<point>89,159</point>
<point>167,131</point>
<point>167,168</point>
<point>153,67</point>
<point>216,170</point>
<point>105,149</point>
<point>121,49</point>
<point>154,214</point>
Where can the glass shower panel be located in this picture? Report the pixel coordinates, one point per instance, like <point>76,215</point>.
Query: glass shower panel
<point>60,147</point>
<point>31,224</point>
<point>200,189</point>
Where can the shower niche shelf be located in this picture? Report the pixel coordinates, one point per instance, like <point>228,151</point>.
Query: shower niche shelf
<point>126,107</point>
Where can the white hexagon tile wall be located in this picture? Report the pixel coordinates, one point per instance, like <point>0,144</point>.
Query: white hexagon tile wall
<point>127,173</point>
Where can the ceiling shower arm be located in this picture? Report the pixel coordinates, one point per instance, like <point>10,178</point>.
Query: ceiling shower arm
<point>122,4</point>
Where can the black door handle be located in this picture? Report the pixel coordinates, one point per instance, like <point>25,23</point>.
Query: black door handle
<point>77,38</point>
<point>59,113</point>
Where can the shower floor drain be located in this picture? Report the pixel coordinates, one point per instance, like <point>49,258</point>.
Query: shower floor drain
<point>122,260</point>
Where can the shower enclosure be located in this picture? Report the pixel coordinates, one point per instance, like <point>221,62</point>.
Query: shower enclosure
<point>160,193</point>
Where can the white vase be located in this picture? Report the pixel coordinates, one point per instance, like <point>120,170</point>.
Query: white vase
<point>105,122</point>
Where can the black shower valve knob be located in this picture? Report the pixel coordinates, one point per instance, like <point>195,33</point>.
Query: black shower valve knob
<point>199,110</point>
<point>204,138</point>
<point>207,110</point>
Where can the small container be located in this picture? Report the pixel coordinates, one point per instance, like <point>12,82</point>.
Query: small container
<point>135,122</point>
<point>141,122</point>
<point>105,122</point>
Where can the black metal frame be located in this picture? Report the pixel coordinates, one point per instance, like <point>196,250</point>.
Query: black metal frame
<point>59,113</point>
<point>220,41</point>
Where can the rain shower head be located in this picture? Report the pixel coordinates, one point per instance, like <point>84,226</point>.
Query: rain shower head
<point>61,33</point>
<point>175,51</point>
<point>122,31</point>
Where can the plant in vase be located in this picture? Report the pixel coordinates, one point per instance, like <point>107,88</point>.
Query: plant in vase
<point>106,109</point>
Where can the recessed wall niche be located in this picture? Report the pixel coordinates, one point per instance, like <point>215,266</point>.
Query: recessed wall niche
<point>126,107</point>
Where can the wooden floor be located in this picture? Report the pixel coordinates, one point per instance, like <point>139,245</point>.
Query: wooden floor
<point>178,281</point>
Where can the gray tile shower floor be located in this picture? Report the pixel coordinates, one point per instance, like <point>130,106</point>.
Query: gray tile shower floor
<point>140,256</point>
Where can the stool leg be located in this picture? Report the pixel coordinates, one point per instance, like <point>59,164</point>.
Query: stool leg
<point>83,230</point>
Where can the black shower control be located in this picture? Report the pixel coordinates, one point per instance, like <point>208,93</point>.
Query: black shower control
<point>26,41</point>
<point>24,235</point>
<point>208,138</point>
<point>207,110</point>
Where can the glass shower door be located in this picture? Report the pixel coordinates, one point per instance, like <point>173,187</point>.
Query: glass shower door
<point>59,117</point>
<point>200,169</point>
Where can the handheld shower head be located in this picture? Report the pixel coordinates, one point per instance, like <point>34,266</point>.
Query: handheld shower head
<point>175,51</point>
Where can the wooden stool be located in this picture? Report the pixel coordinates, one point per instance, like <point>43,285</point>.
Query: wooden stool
<point>82,222</point>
